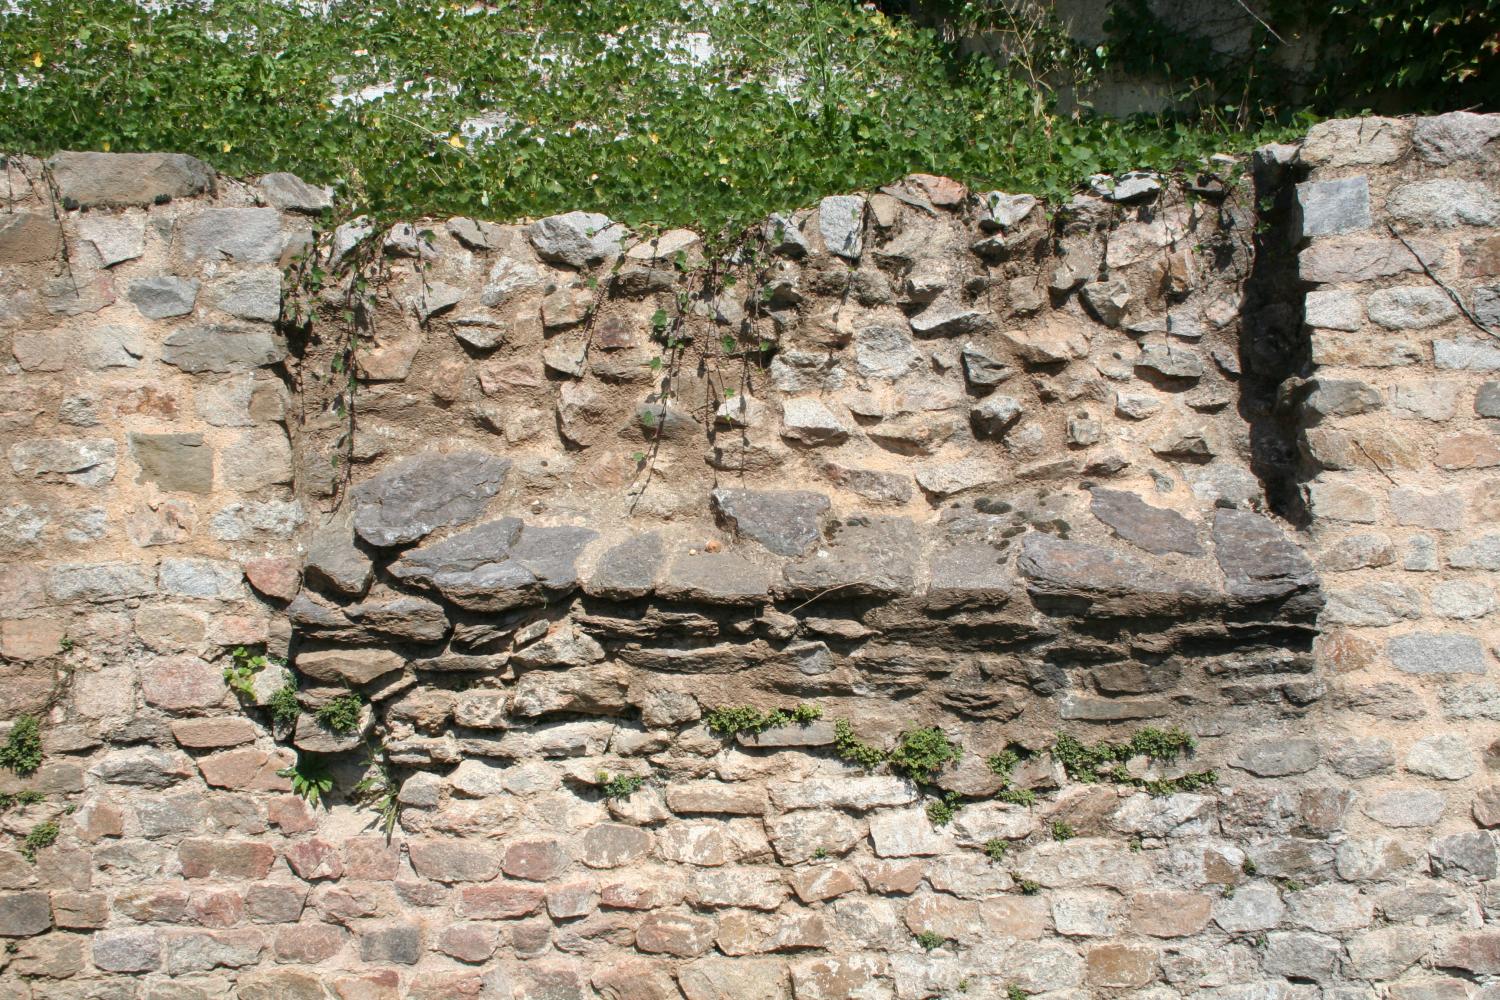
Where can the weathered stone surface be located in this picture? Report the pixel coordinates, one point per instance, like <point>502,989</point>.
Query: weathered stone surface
<point>78,462</point>
<point>841,221</point>
<point>1258,560</point>
<point>1410,307</point>
<point>867,556</point>
<point>628,570</point>
<point>333,560</point>
<point>292,194</point>
<point>1154,529</point>
<point>1427,653</point>
<point>97,179</point>
<point>1454,137</point>
<point>787,523</point>
<point>716,578</point>
<point>1101,578</point>
<point>179,462</point>
<point>1337,259</point>
<point>246,235</point>
<point>163,297</point>
<point>416,496</point>
<point>197,349</point>
<point>1336,206</point>
<point>576,238</point>
<point>349,666</point>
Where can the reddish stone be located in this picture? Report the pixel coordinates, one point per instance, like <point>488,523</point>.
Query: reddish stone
<point>291,814</point>
<point>32,638</point>
<point>169,905</point>
<point>176,683</point>
<point>278,578</point>
<point>638,893</point>
<point>1482,258</point>
<point>636,980</point>
<point>610,845</point>
<point>1471,450</point>
<point>501,901</point>
<point>372,859</point>
<point>892,877</point>
<point>382,985</point>
<point>80,910</point>
<point>1478,953</point>
<point>1121,966</point>
<point>1170,914</point>
<point>824,882</point>
<point>454,860</point>
<point>681,934</point>
<point>97,820</point>
<point>212,734</point>
<point>469,942</point>
<point>225,859</point>
<point>530,937</point>
<point>796,931</point>
<point>248,769</point>
<point>944,192</point>
<point>217,908</point>
<point>273,903</point>
<point>314,859</point>
<point>451,986</point>
<point>575,899</point>
<point>344,904</point>
<point>535,860</point>
<point>309,944</point>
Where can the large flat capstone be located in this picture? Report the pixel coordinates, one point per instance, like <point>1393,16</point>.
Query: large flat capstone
<point>416,496</point>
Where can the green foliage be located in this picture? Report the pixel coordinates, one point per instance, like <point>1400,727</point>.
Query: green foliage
<point>1105,761</point>
<point>1014,992</point>
<point>745,719</point>
<point>25,797</point>
<point>619,786</point>
<point>995,849</point>
<point>1026,885</point>
<point>22,752</point>
<point>942,810</point>
<point>930,940</point>
<point>1407,55</point>
<point>283,705</point>
<point>65,644</point>
<point>525,109</point>
<point>852,749</point>
<point>379,789</point>
<point>42,835</point>
<point>341,714</point>
<point>244,664</point>
<point>1003,765</point>
<point>310,778</point>
<point>1248,867</point>
<point>1061,830</point>
<point>921,753</point>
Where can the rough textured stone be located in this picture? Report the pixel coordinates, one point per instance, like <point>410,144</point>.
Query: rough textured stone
<point>1154,529</point>
<point>90,179</point>
<point>787,523</point>
<point>221,349</point>
<point>576,238</point>
<point>164,297</point>
<point>416,496</point>
<point>1336,206</point>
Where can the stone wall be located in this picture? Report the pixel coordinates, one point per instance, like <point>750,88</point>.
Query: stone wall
<point>947,470</point>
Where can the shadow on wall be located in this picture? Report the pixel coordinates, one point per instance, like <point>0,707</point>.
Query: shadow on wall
<point>1274,342</point>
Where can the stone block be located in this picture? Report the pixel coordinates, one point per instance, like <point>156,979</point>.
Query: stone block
<point>109,179</point>
<point>1327,208</point>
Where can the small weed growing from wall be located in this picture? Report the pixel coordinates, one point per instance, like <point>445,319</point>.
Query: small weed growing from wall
<point>1062,830</point>
<point>941,811</point>
<point>745,719</point>
<point>42,835</point>
<point>930,940</point>
<point>995,849</point>
<point>341,714</point>
<point>310,779</point>
<point>619,786</point>
<point>283,705</point>
<point>22,752</point>
<point>25,797</point>
<point>1105,760</point>
<point>921,753</point>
